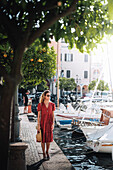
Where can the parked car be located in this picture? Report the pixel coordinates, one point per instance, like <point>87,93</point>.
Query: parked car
<point>20,99</point>
<point>38,94</point>
<point>86,96</point>
<point>105,95</point>
<point>31,96</point>
<point>34,106</point>
<point>66,93</point>
<point>76,93</point>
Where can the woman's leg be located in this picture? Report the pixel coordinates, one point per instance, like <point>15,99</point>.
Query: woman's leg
<point>43,149</point>
<point>47,148</point>
<point>25,109</point>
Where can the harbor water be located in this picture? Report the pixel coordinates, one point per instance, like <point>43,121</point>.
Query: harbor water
<point>80,156</point>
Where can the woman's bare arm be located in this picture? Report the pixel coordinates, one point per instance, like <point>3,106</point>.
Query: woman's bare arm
<point>38,120</point>
<point>53,116</point>
<point>53,119</point>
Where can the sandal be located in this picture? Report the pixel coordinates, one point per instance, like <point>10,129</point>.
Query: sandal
<point>44,156</point>
<point>48,157</point>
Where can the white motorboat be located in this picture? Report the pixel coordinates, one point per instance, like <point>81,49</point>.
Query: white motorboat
<point>106,118</point>
<point>64,117</point>
<point>90,129</point>
<point>101,140</point>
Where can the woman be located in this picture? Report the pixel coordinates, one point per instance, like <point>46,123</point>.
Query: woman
<point>25,99</point>
<point>46,121</point>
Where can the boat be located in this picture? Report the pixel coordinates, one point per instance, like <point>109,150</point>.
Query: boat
<point>92,127</point>
<point>101,140</point>
<point>65,124</point>
<point>63,115</point>
<point>87,119</point>
<point>106,118</point>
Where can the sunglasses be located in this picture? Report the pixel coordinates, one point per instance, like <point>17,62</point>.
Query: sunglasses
<point>48,95</point>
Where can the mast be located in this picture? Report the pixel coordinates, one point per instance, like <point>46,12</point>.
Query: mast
<point>58,74</point>
<point>109,67</point>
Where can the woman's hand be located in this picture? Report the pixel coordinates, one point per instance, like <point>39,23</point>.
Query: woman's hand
<point>38,128</point>
<point>52,126</point>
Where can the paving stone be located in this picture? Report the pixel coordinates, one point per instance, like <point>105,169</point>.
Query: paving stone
<point>34,154</point>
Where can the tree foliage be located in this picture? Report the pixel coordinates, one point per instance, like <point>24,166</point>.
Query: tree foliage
<point>110,9</point>
<point>42,86</point>
<point>23,21</point>
<point>101,86</point>
<point>38,64</point>
<point>89,20</point>
<point>67,84</point>
<point>79,22</point>
<point>6,56</point>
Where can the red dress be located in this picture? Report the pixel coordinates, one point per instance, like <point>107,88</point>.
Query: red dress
<point>46,121</point>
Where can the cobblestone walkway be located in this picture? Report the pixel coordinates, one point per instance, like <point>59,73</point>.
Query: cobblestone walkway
<point>34,154</point>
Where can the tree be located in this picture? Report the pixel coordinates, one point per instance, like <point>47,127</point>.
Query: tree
<point>22,22</point>
<point>38,64</point>
<point>67,84</point>
<point>42,86</point>
<point>101,86</point>
<point>92,85</point>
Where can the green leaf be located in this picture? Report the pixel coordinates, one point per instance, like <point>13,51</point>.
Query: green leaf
<point>110,9</point>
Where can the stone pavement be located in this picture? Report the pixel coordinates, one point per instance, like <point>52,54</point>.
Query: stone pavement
<point>33,154</point>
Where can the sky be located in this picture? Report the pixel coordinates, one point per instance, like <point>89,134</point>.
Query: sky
<point>104,54</point>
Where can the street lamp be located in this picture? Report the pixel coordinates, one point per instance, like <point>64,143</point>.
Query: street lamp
<point>78,81</point>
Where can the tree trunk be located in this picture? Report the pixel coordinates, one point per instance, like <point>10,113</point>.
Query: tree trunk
<point>5,110</point>
<point>12,122</point>
<point>11,81</point>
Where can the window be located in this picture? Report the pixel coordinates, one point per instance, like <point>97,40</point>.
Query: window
<point>85,74</point>
<point>96,72</point>
<point>86,58</point>
<point>71,57</point>
<point>61,57</point>
<point>68,57</point>
<point>65,57</point>
<point>62,73</point>
<point>68,73</point>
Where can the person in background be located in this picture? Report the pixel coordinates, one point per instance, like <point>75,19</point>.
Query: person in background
<point>25,99</point>
<point>46,122</point>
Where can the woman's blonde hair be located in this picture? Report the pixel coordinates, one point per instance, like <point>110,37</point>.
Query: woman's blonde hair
<point>42,97</point>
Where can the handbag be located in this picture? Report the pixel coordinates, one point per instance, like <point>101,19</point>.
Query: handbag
<point>38,136</point>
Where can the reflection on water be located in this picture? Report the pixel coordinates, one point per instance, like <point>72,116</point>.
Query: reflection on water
<point>80,156</point>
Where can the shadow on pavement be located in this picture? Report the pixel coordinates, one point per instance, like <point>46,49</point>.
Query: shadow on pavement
<point>55,153</point>
<point>35,166</point>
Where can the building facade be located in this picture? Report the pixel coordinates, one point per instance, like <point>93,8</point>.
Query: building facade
<point>73,64</point>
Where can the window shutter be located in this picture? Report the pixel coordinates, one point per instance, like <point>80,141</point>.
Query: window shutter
<point>65,57</point>
<point>71,57</point>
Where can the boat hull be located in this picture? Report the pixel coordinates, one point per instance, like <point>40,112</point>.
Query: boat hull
<point>90,129</point>
<point>100,147</point>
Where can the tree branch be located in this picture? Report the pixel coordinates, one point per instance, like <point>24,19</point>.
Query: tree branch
<point>39,7</point>
<point>10,27</point>
<point>48,23</point>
